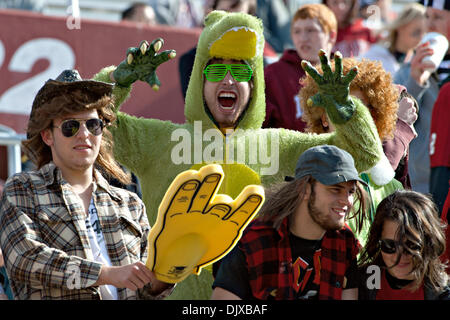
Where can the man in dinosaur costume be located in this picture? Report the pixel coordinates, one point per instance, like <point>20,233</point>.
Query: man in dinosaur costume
<point>223,121</point>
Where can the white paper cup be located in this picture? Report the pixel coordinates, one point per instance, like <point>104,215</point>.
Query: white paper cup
<point>439,44</point>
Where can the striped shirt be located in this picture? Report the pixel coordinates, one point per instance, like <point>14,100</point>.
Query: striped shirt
<point>45,241</point>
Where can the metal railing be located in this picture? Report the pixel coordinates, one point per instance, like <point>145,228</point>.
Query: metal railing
<point>11,139</point>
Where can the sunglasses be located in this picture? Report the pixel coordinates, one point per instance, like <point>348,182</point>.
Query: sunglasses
<point>70,127</point>
<point>217,72</point>
<point>390,246</point>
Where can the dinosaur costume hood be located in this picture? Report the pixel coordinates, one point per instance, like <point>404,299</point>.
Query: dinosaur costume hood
<point>236,36</point>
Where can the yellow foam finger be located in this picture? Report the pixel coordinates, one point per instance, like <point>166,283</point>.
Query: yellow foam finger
<point>206,192</point>
<point>182,187</point>
<point>176,201</point>
<point>168,230</point>
<point>176,262</point>
<point>219,210</point>
<point>196,226</point>
<point>245,213</point>
<point>246,204</point>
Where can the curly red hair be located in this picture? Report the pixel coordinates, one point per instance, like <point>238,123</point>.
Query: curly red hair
<point>373,81</point>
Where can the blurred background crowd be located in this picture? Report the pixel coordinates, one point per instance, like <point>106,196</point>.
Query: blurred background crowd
<point>376,16</point>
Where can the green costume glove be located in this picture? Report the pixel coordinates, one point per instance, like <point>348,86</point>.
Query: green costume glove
<point>141,64</point>
<point>334,88</point>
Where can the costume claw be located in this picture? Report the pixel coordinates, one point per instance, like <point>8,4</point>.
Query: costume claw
<point>157,46</point>
<point>155,87</point>
<point>172,55</point>
<point>143,48</point>
<point>129,58</point>
<point>304,64</point>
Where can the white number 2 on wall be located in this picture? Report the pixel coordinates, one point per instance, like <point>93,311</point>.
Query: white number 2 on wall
<point>19,98</point>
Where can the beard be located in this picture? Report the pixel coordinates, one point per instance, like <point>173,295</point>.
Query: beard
<point>322,218</point>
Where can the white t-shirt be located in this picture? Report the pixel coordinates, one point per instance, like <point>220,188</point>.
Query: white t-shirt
<point>98,247</point>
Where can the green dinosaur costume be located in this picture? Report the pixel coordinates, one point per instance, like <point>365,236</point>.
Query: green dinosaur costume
<point>156,151</point>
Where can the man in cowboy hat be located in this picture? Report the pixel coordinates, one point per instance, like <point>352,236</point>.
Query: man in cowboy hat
<point>65,232</point>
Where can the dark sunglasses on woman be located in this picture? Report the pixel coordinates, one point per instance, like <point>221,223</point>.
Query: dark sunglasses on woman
<point>70,127</point>
<point>390,246</point>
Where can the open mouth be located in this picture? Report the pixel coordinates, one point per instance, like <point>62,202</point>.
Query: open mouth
<point>305,48</point>
<point>227,100</point>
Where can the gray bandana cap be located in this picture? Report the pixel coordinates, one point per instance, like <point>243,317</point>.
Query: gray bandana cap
<point>327,164</point>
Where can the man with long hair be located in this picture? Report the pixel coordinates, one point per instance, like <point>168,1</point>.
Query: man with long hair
<point>65,232</point>
<point>300,246</point>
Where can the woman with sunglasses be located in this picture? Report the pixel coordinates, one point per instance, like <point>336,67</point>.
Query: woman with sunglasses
<point>401,259</point>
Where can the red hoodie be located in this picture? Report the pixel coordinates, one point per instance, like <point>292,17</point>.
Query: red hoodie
<point>282,87</point>
<point>354,40</point>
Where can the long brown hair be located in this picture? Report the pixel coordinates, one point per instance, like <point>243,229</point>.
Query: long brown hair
<point>282,200</point>
<point>40,153</point>
<point>419,224</point>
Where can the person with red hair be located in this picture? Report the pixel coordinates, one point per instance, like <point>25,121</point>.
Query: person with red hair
<point>313,27</point>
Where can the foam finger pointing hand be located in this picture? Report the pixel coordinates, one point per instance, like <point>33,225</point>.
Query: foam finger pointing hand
<point>177,199</point>
<point>246,205</point>
<point>211,177</point>
<point>221,206</point>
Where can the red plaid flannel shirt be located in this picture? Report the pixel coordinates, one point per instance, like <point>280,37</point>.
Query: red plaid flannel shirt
<point>269,260</point>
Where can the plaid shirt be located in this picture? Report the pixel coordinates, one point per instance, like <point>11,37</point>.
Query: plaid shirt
<point>45,242</point>
<point>269,261</point>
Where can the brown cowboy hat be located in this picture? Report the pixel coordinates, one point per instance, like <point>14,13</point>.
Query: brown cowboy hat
<point>66,83</point>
